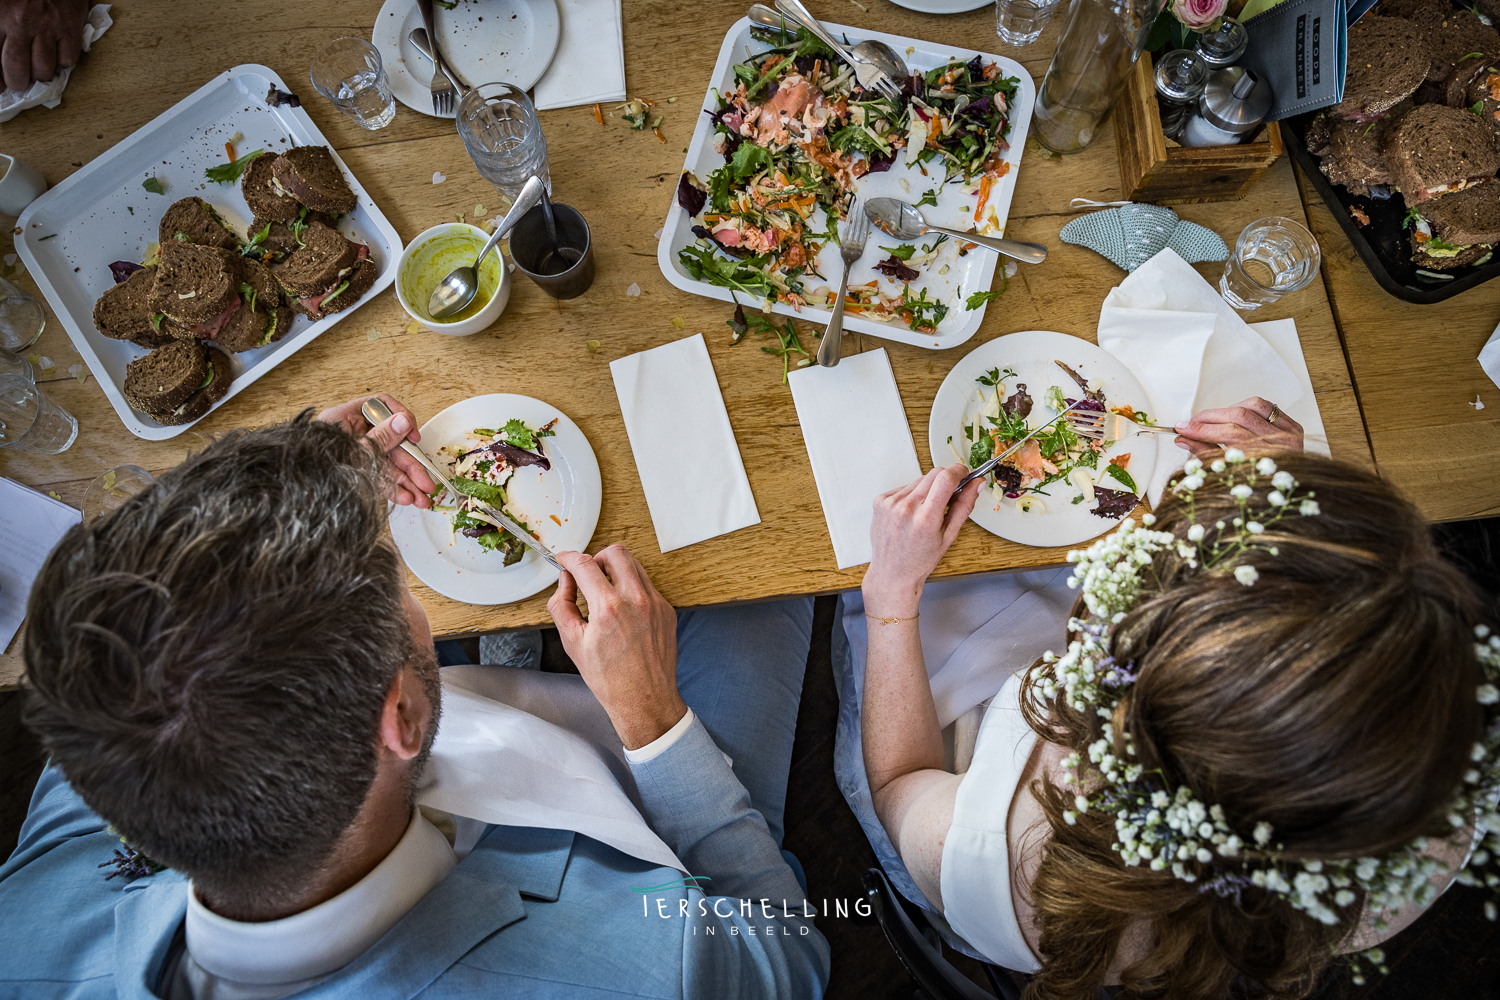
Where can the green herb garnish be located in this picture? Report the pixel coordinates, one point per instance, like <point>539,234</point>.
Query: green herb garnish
<point>256,240</point>
<point>228,173</point>
<point>492,495</point>
<point>156,319</point>
<point>247,295</point>
<point>208,378</point>
<point>46,238</point>
<point>1121,476</point>
<point>928,198</point>
<point>902,251</point>
<point>153,185</point>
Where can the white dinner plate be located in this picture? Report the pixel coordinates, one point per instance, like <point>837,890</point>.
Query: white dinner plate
<point>1032,355</point>
<point>484,41</point>
<point>942,6</point>
<point>561,505</point>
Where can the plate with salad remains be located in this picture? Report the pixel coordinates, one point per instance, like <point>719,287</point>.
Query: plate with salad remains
<point>788,140</point>
<point>1058,488</point>
<point>516,453</point>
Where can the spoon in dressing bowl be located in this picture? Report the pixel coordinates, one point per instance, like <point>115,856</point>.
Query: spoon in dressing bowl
<point>457,290</point>
<point>905,221</point>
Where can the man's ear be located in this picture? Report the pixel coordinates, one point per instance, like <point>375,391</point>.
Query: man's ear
<point>401,716</point>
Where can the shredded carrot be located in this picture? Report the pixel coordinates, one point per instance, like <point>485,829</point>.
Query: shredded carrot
<point>985,183</point>
<point>1123,461</point>
<point>229,151</point>
<point>649,104</point>
<point>658,134</point>
<point>1003,169</point>
<point>598,115</point>
<point>559,523</point>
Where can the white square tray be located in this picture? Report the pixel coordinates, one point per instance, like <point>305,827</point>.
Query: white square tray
<point>974,272</point>
<point>102,213</point>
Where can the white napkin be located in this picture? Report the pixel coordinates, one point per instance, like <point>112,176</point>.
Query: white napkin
<point>32,525</point>
<point>858,442</point>
<point>13,102</point>
<point>1489,357</point>
<point>1282,335</point>
<point>1188,348</point>
<point>684,448</point>
<point>590,62</point>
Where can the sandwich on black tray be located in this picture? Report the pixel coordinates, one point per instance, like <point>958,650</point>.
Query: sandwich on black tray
<point>1456,230</point>
<point>1435,150</point>
<point>1482,94</point>
<point>123,313</point>
<point>178,383</point>
<point>1353,156</point>
<point>312,176</point>
<point>262,317</point>
<point>195,286</point>
<point>327,273</point>
<point>1426,15</point>
<point>1462,32</point>
<point>194,220</point>
<point>1387,61</point>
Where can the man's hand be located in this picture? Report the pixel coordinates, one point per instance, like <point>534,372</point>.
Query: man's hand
<point>1244,426</point>
<point>37,37</point>
<point>410,481</point>
<point>626,649</point>
<point>913,528</point>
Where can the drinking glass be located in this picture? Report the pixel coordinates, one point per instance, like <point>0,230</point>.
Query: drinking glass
<point>349,74</point>
<point>1273,256</point>
<point>1021,22</point>
<point>500,130</point>
<point>22,318</point>
<point>564,270</point>
<point>29,421</point>
<point>14,364</point>
<point>110,490</point>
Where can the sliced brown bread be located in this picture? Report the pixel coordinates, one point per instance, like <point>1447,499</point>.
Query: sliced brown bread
<point>1427,15</point>
<point>264,291</point>
<point>196,222</point>
<point>315,265</point>
<point>1470,66</point>
<point>1355,158</point>
<point>1466,217</point>
<point>266,203</point>
<point>122,312</point>
<point>164,379</point>
<point>215,384</point>
<point>343,294</point>
<point>1483,96</point>
<point>1490,9</point>
<point>283,237</point>
<point>1462,32</point>
<point>193,284</point>
<point>1433,149</point>
<point>312,176</point>
<point>1423,258</point>
<point>1388,60</point>
<point>1319,131</point>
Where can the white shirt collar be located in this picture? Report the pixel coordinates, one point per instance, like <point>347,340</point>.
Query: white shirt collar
<point>322,940</point>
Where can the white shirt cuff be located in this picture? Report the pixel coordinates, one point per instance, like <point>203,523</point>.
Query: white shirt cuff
<point>661,744</point>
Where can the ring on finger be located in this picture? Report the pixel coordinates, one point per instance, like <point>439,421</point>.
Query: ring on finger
<point>1275,412</point>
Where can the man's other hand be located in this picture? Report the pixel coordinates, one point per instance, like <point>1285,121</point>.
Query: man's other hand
<point>39,37</point>
<point>410,483</point>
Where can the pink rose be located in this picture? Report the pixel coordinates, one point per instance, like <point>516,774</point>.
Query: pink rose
<point>1197,15</point>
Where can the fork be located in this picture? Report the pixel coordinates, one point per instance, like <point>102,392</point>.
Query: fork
<point>442,88</point>
<point>1098,426</point>
<point>851,246</point>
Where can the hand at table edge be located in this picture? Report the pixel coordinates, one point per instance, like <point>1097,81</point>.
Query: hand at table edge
<point>1245,426</point>
<point>410,483</point>
<point>913,527</point>
<point>39,37</point>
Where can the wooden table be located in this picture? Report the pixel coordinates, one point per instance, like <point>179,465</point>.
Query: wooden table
<point>623,182</point>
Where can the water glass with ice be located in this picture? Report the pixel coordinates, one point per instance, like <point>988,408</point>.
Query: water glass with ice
<point>349,73</point>
<point>1273,256</point>
<point>1021,22</point>
<point>22,318</point>
<point>29,421</point>
<point>500,129</point>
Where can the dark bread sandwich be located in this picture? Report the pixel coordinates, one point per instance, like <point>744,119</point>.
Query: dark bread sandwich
<point>266,203</point>
<point>1461,33</point>
<point>1470,66</point>
<point>1388,60</point>
<point>1456,229</point>
<point>1319,133</point>
<point>328,273</point>
<point>1426,15</point>
<point>262,317</point>
<point>194,220</point>
<point>311,175</point>
<point>195,286</point>
<point>1434,150</point>
<point>122,312</point>
<point>281,238</point>
<point>1355,158</point>
<point>1482,97</point>
<point>178,383</point>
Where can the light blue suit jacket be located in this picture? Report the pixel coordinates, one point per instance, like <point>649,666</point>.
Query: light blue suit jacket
<point>530,913</point>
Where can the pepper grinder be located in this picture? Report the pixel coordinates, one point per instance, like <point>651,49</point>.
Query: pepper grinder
<point>1181,76</point>
<point>1224,47</point>
<point>1233,105</point>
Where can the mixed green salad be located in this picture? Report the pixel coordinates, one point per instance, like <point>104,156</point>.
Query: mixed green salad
<point>480,469</point>
<point>796,134</point>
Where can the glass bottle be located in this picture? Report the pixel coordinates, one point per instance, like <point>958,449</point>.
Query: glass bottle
<point>1101,40</point>
<point>1181,76</point>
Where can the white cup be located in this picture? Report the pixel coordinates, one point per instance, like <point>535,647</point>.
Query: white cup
<point>425,261</point>
<point>20,185</point>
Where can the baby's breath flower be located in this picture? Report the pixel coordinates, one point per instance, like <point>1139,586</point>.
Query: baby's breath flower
<point>1487,694</point>
<point>1262,834</point>
<point>1246,575</point>
<point>1265,467</point>
<point>1233,455</point>
<point>1190,483</point>
<point>1192,466</point>
<point>1276,498</point>
<point>1070,817</point>
<point>1241,492</point>
<point>1309,508</point>
<point>1254,527</point>
<point>1283,481</point>
<point>1195,533</point>
<point>1218,465</point>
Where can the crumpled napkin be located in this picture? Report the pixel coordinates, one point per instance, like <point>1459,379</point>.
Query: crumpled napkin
<point>49,93</point>
<point>590,62</point>
<point>1189,350</point>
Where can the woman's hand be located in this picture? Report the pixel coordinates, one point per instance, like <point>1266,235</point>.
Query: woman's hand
<point>913,527</point>
<point>1245,425</point>
<point>410,482</point>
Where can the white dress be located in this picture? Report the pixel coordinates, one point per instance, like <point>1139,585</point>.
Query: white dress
<point>977,635</point>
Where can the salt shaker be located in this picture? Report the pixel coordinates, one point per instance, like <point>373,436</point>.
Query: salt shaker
<point>1180,78</point>
<point>1224,47</point>
<point>1233,105</point>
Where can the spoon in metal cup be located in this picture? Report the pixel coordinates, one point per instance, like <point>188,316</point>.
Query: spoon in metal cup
<point>905,221</point>
<point>457,290</point>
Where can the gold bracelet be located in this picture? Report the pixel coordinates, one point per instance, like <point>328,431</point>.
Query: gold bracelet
<point>892,621</point>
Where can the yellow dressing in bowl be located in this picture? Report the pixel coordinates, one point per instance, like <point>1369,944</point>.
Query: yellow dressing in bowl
<point>431,262</point>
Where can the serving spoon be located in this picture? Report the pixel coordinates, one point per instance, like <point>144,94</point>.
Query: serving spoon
<point>457,290</point>
<point>905,221</point>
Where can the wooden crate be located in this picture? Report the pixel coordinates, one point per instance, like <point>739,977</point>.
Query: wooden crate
<point>1152,171</point>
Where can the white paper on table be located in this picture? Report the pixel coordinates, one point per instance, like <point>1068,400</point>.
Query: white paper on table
<point>590,62</point>
<point>1188,348</point>
<point>498,764</point>
<point>1489,357</point>
<point>1282,335</point>
<point>858,441</point>
<point>49,93</point>
<point>684,448</point>
<point>32,525</point>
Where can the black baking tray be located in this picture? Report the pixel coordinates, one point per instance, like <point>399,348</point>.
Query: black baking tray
<point>1385,244</point>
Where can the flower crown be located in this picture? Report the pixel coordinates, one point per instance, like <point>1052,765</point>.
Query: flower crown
<point>1170,829</point>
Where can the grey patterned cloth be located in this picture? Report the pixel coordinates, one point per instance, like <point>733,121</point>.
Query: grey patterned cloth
<point>1132,234</point>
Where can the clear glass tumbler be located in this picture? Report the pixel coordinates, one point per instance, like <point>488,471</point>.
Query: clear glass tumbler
<point>500,129</point>
<point>29,421</point>
<point>1021,22</point>
<point>110,490</point>
<point>349,73</point>
<point>1273,256</point>
<point>1100,42</point>
<point>14,364</point>
<point>22,318</point>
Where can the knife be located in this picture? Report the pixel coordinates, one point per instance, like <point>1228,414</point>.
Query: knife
<point>984,469</point>
<point>374,410</point>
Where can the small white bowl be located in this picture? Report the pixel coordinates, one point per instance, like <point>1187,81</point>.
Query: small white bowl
<point>425,262</point>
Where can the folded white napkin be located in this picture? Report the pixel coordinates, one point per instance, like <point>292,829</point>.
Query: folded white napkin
<point>13,102</point>
<point>684,448</point>
<point>1189,350</point>
<point>858,442</point>
<point>590,62</point>
<point>1282,335</point>
<point>1489,357</point>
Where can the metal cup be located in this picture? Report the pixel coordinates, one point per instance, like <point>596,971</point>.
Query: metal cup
<point>565,271</point>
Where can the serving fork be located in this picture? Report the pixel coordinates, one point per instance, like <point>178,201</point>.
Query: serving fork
<point>442,88</point>
<point>851,246</point>
<point>1098,426</point>
<point>866,71</point>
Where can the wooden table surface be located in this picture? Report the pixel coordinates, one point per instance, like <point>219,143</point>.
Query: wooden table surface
<point>623,182</point>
